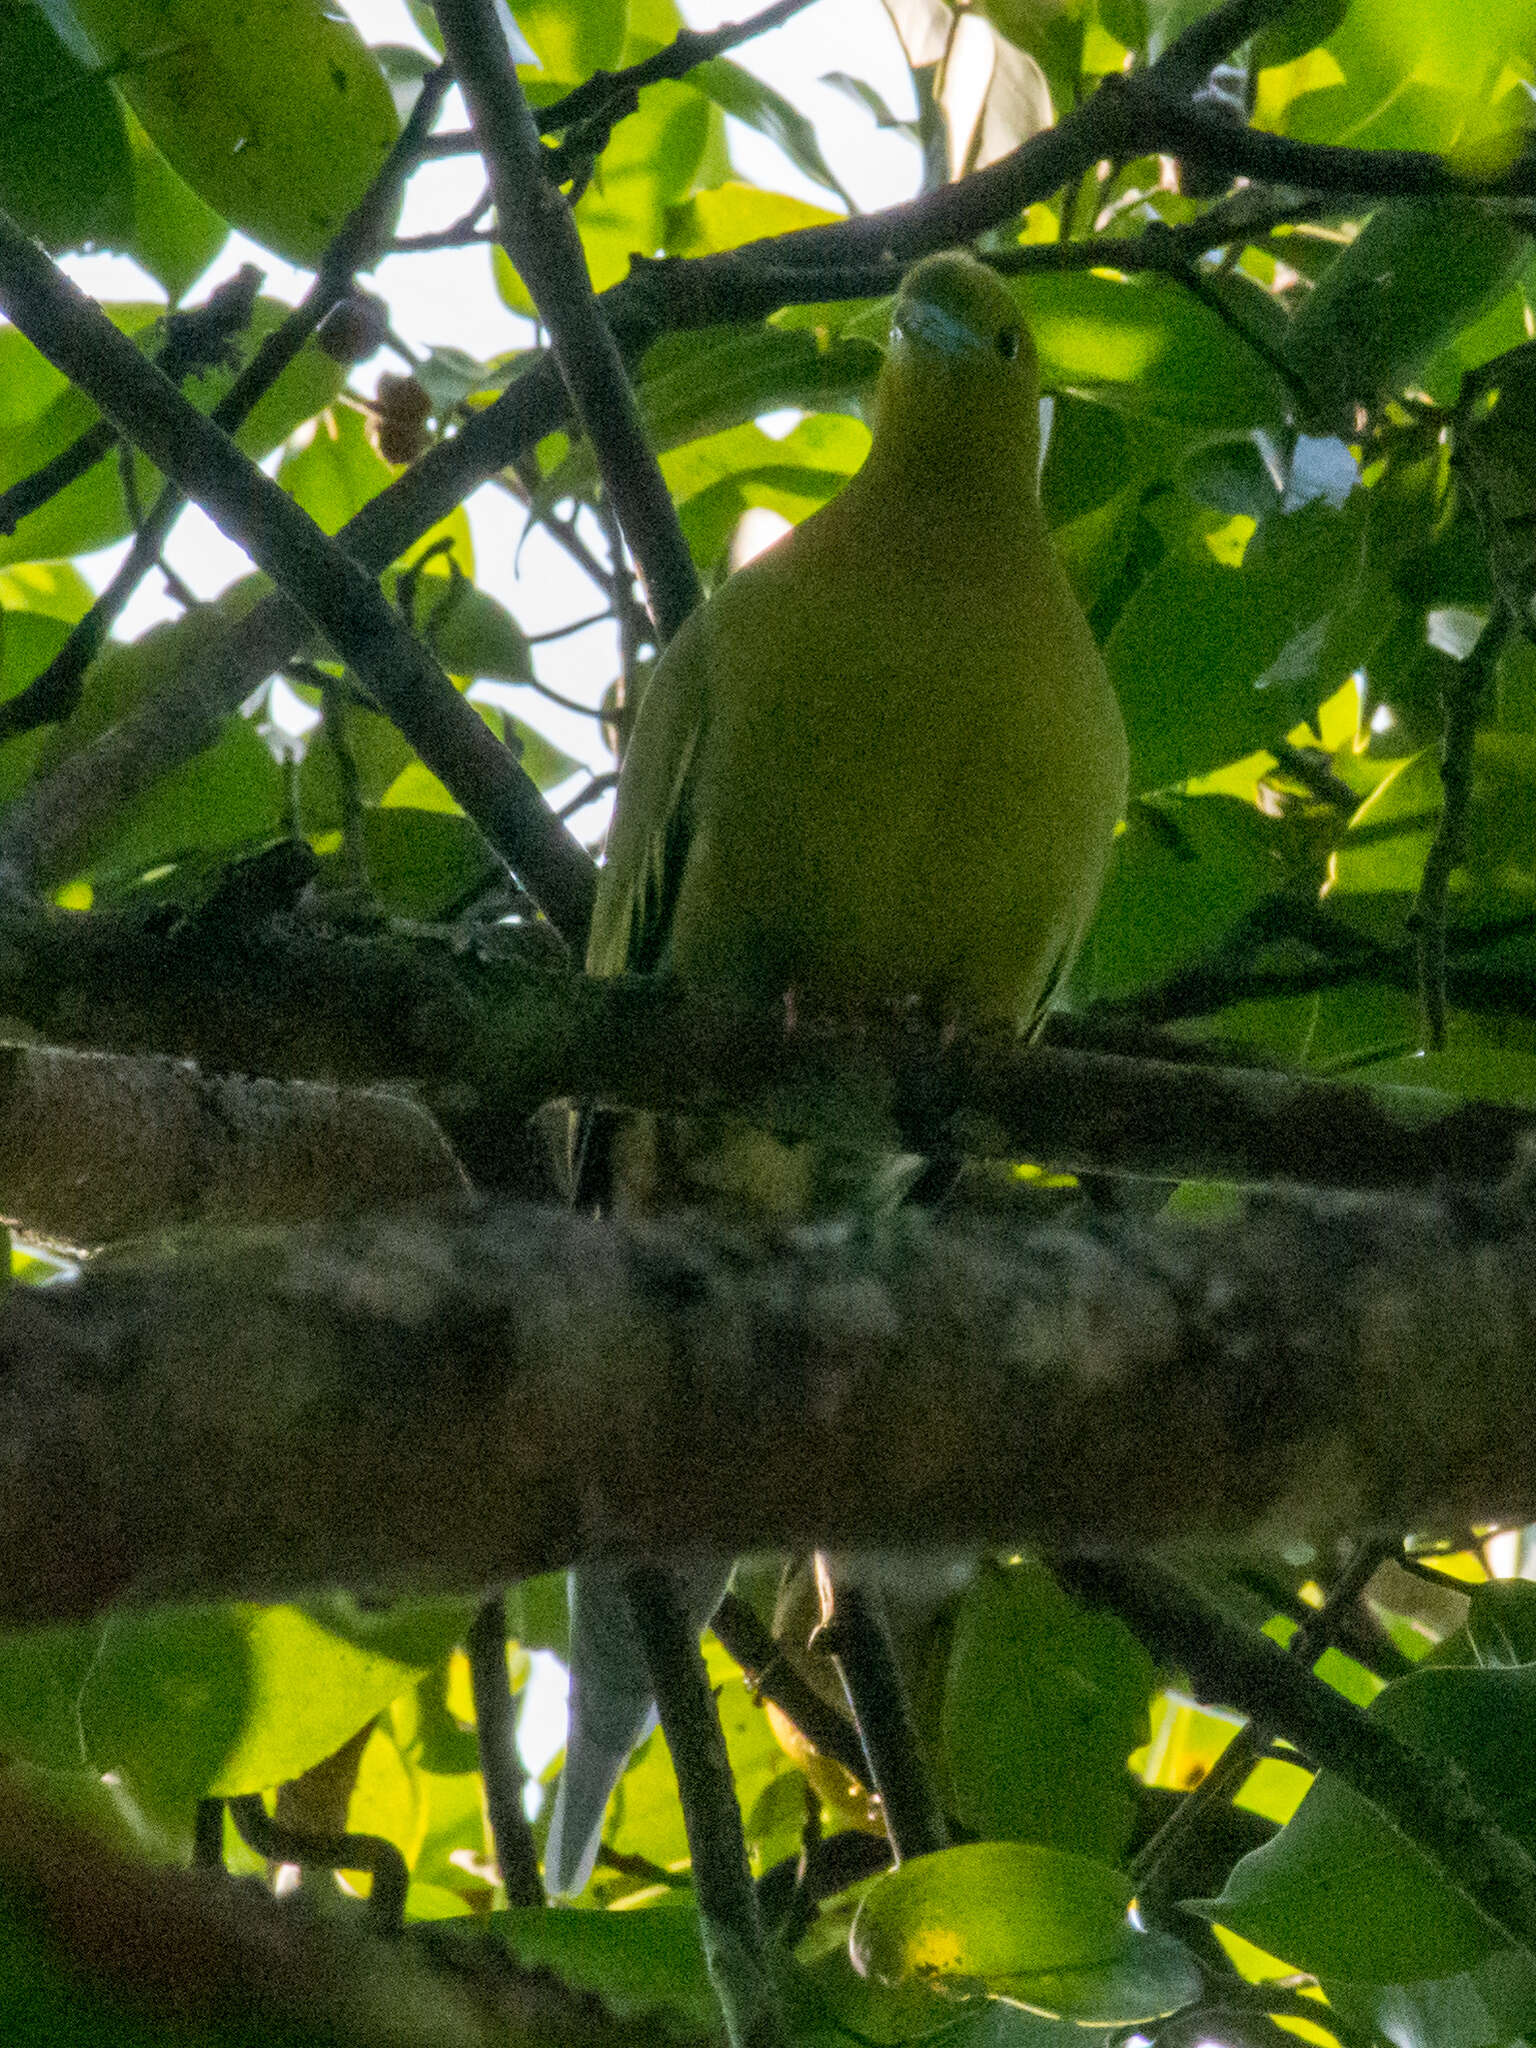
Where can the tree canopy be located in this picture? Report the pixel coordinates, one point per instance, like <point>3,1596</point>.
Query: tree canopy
<point>1168,1483</point>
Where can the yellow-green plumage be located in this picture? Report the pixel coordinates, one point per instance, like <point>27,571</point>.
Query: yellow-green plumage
<point>884,761</point>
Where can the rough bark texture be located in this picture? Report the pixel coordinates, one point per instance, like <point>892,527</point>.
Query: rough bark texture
<point>451,1400</point>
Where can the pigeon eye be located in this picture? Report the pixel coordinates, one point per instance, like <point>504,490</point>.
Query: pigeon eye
<point>1008,343</point>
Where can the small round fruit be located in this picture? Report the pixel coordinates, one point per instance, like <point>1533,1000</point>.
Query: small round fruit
<point>354,328</point>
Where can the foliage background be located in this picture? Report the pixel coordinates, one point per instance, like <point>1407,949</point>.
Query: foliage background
<point>1295,501</point>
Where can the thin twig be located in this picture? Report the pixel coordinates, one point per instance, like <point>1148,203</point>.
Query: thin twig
<point>734,1947</point>
<point>773,1678</point>
<point>1412,1793</point>
<point>859,1642</point>
<point>374,1853</point>
<point>53,695</point>
<point>609,94</point>
<point>500,1768</point>
<point>51,819</point>
<point>1251,1742</point>
<point>1461,699</point>
<point>594,787</point>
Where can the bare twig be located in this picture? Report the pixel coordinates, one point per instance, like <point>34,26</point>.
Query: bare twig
<point>728,1918</point>
<point>772,1677</point>
<point>859,1641</point>
<point>609,95</point>
<point>54,693</point>
<point>500,1767</point>
<point>1417,1798</point>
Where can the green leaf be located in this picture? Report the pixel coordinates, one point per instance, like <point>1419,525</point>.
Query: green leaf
<point>1052,31</point>
<point>1494,2003</point>
<point>731,214</point>
<point>420,862</point>
<point>175,236</point>
<point>1182,874</point>
<point>1300,28</point>
<point>41,416</point>
<point>66,172</point>
<point>1500,1628</point>
<point>55,589</point>
<point>1038,1927</point>
<point>337,470</point>
<point>230,795</point>
<point>573,38</point>
<point>641,1962</point>
<point>274,111</point>
<point>864,95</point>
<point>1415,276</point>
<point>1210,661</point>
<point>48,416</point>
<point>188,1701</point>
<point>1146,344</point>
<point>1339,1892</point>
<point>1043,1703</point>
<point>1419,77</point>
<point>715,480</point>
<point>379,753</point>
<point>696,385</point>
<point>736,91</point>
<point>472,634</point>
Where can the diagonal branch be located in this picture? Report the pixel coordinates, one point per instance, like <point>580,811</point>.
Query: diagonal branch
<point>45,827</point>
<point>534,222</point>
<point>341,598</point>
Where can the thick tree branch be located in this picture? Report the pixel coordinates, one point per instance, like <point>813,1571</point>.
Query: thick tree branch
<point>498,1030</point>
<point>448,1403</point>
<point>141,1145</point>
<point>342,599</point>
<point>533,220</point>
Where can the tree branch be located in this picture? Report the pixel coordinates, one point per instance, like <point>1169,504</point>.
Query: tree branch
<point>427,1402</point>
<point>1423,1802</point>
<point>501,1769</point>
<point>500,1025</point>
<point>1461,696</point>
<point>859,1640</point>
<point>533,220</point>
<point>55,693</point>
<point>46,825</point>
<point>609,95</point>
<point>732,1933</point>
<point>142,1145</point>
<point>341,598</point>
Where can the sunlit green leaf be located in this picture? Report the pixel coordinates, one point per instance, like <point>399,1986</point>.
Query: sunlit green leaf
<point>274,111</point>
<point>1036,1926</point>
<point>1148,345</point>
<point>66,170</point>
<point>1341,1893</point>
<point>1043,1704</point>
